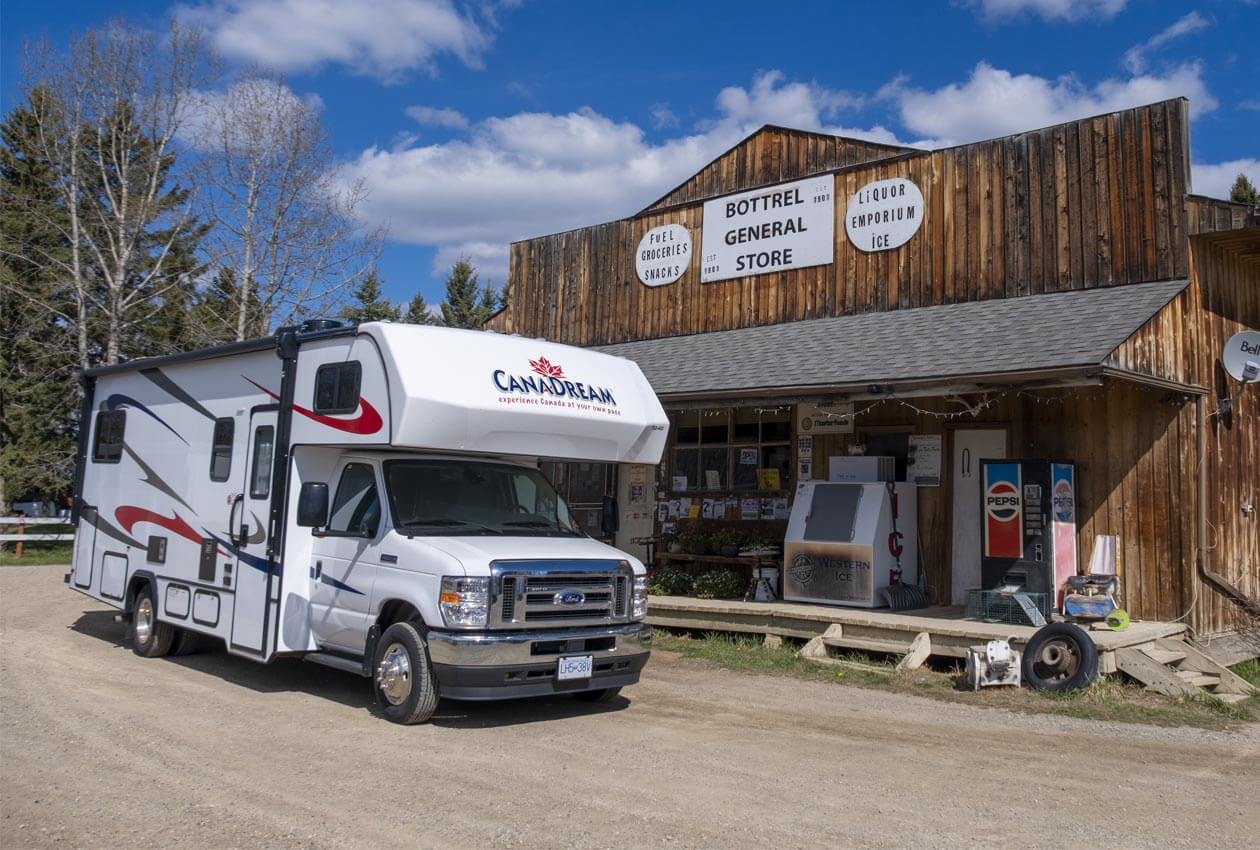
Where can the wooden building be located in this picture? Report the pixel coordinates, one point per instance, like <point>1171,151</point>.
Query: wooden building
<point>1058,293</point>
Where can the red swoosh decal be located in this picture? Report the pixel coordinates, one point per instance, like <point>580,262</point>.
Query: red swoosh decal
<point>366,421</point>
<point>128,516</point>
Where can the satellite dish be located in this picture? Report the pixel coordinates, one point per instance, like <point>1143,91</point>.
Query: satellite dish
<point>1241,356</point>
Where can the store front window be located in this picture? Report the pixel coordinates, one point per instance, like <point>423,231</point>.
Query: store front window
<point>736,449</point>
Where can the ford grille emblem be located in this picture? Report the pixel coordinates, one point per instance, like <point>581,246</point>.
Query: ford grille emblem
<point>569,597</point>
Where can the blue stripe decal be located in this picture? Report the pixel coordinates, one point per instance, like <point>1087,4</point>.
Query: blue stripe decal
<point>332,582</point>
<point>254,561</point>
<point>119,400</point>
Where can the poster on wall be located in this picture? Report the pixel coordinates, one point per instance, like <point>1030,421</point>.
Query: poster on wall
<point>663,255</point>
<point>923,463</point>
<point>829,418</point>
<point>789,226</point>
<point>883,215</point>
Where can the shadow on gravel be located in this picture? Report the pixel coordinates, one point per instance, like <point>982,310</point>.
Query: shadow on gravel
<point>292,675</point>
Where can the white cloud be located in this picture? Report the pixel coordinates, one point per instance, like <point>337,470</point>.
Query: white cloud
<point>488,258</point>
<point>1049,10</point>
<point>258,111</point>
<point>1135,56</point>
<point>663,116</point>
<point>531,173</point>
<point>379,38</point>
<point>451,119</point>
<point>994,102</point>
<point>1215,180</point>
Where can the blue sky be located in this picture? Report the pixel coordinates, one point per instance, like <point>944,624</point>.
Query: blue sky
<point>475,125</point>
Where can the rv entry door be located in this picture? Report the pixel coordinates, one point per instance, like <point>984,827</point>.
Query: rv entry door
<point>247,524</point>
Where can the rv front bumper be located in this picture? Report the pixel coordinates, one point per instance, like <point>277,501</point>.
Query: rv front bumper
<point>503,665</point>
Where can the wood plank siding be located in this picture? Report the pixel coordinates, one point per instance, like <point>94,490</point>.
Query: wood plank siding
<point>1090,203</point>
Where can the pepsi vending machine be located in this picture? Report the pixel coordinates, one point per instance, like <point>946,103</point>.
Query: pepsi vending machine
<point>1029,524</point>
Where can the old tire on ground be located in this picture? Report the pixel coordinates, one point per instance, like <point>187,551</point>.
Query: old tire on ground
<point>600,695</point>
<point>149,637</point>
<point>1060,657</point>
<point>402,676</point>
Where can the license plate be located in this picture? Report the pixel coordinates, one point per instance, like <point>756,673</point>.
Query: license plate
<point>574,667</point>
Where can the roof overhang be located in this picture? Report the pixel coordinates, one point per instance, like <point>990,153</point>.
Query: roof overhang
<point>1049,340</point>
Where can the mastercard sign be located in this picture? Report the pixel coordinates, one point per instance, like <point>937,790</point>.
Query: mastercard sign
<point>1003,511</point>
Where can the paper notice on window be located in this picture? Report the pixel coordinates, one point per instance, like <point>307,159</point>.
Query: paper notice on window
<point>712,479</point>
<point>706,509</point>
<point>747,457</point>
<point>923,465</point>
<point>805,469</point>
<point>768,479</point>
<point>680,482</point>
<point>749,508</point>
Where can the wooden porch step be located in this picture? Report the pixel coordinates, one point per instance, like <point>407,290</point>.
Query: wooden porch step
<point>866,644</point>
<point>1166,656</point>
<point>1199,680</point>
<point>1231,698</point>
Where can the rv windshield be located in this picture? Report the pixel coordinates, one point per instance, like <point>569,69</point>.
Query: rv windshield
<point>459,497</point>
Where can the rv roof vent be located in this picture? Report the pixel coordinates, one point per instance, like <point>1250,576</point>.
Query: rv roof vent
<point>313,325</point>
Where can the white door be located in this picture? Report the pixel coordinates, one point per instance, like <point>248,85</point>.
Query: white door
<point>344,558</point>
<point>970,445</point>
<point>247,530</point>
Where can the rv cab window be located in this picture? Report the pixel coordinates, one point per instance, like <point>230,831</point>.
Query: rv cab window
<point>221,449</point>
<point>108,445</point>
<point>356,509</point>
<point>337,387</point>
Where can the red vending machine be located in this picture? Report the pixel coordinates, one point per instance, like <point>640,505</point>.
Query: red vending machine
<point>1029,524</point>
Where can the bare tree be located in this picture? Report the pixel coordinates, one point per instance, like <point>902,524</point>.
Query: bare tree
<point>107,114</point>
<point>282,224</point>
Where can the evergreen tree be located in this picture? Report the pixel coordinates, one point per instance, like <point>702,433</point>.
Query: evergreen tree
<point>1244,192</point>
<point>418,312</point>
<point>38,398</point>
<point>467,304</point>
<point>370,305</point>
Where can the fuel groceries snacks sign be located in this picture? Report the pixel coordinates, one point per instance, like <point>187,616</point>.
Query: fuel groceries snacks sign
<point>663,254</point>
<point>789,226</point>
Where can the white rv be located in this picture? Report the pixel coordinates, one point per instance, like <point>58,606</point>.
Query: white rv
<point>369,498</point>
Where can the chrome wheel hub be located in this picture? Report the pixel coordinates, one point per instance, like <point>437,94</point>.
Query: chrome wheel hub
<point>393,674</point>
<point>144,621</point>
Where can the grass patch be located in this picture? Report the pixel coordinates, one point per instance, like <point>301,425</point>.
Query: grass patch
<point>1249,670</point>
<point>36,554</point>
<point>1109,698</point>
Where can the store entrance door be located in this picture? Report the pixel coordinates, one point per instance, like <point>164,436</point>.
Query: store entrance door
<point>970,445</point>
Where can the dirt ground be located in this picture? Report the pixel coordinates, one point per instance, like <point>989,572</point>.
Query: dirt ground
<point>101,748</point>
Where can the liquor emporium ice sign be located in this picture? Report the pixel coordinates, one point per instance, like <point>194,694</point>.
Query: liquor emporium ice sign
<point>884,214</point>
<point>663,254</point>
<point>789,226</point>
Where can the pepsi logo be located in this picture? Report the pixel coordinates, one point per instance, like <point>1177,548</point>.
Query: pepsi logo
<point>1001,502</point>
<point>1064,501</point>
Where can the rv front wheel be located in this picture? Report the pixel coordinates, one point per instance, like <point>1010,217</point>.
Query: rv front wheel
<point>402,677</point>
<point>149,637</point>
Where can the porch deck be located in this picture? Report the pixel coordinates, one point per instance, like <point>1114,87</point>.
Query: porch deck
<point>878,630</point>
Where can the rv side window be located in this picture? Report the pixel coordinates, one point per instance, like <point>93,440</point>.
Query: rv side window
<point>260,477</point>
<point>107,447</point>
<point>221,449</point>
<point>356,509</point>
<point>337,387</point>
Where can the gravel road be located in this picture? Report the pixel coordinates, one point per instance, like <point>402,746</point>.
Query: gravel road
<point>101,748</point>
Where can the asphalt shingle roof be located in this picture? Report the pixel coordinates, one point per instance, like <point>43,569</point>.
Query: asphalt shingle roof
<point>1051,331</point>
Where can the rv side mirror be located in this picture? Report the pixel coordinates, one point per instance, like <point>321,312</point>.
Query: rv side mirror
<point>312,511</point>
<point>609,519</point>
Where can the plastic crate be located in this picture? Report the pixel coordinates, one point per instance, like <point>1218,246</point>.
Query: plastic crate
<point>994,606</point>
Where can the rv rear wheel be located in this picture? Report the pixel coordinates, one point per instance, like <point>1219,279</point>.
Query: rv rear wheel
<point>402,677</point>
<point>149,637</point>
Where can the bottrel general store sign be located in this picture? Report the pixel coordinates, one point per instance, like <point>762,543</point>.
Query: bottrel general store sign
<point>788,226</point>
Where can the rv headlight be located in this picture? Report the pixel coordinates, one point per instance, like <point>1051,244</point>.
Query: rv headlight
<point>465,601</point>
<point>639,609</point>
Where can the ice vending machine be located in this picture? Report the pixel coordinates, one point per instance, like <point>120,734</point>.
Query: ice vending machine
<point>1029,524</point>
